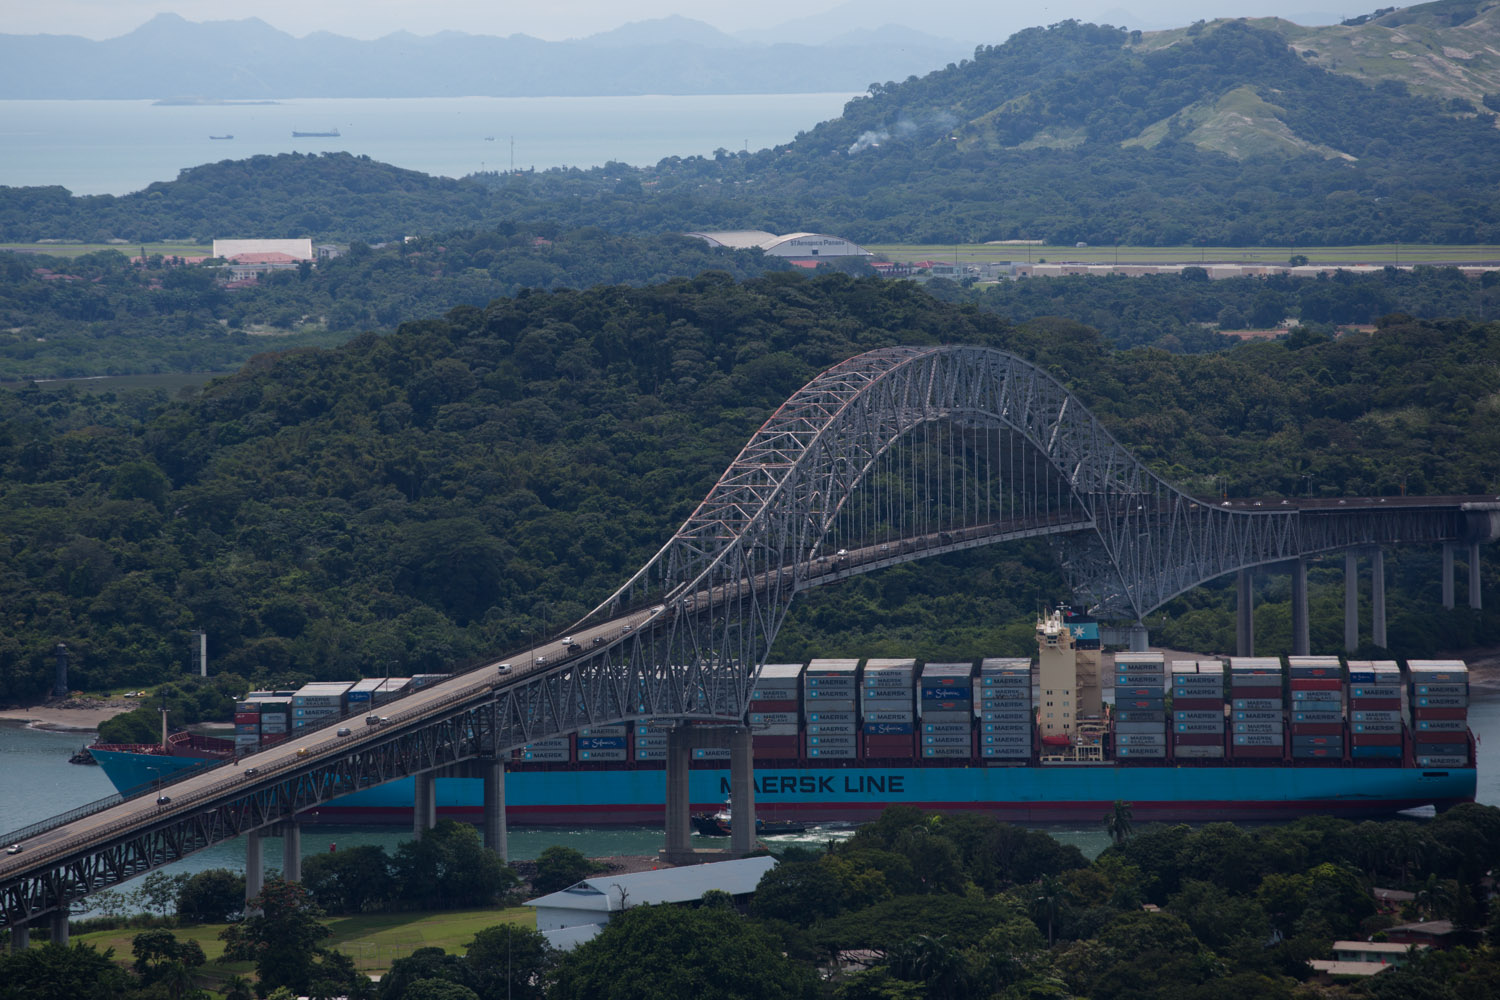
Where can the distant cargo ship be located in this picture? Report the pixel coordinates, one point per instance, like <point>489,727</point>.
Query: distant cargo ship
<point>836,741</point>
<point>221,137</point>
<point>330,134</point>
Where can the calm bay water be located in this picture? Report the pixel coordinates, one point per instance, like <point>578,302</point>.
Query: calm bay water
<point>115,147</point>
<point>37,782</point>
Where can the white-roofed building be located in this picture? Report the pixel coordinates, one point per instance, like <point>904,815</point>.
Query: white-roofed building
<point>797,246</point>
<point>595,900</point>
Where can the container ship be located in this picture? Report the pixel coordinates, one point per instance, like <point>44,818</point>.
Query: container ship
<point>839,740</point>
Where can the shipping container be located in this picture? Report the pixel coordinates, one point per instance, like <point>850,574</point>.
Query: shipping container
<point>1374,691</point>
<point>1376,739</point>
<point>1141,727</point>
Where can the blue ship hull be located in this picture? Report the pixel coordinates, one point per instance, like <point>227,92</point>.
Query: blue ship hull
<point>623,795</point>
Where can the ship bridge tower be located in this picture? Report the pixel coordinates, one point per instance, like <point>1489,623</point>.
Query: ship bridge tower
<point>1057,700</point>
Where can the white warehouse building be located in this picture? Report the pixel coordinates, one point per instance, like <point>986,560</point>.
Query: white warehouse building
<point>795,245</point>
<point>595,900</point>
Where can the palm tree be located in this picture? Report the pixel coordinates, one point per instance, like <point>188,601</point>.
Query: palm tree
<point>1047,902</point>
<point>1117,822</point>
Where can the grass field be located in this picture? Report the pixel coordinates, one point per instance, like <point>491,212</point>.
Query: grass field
<point>173,383</point>
<point>373,941</point>
<point>975,253</point>
<point>128,249</point>
<point>982,253</point>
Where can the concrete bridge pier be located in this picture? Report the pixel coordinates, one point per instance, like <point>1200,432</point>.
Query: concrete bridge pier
<point>496,836</point>
<point>1474,601</point>
<point>291,851</point>
<point>20,937</point>
<point>1140,638</point>
<point>741,792</point>
<point>424,804</point>
<point>1448,575</point>
<point>255,870</point>
<point>678,805</point>
<point>1351,601</point>
<point>57,922</point>
<point>1244,617</point>
<point>1301,632</point>
<point>1377,597</point>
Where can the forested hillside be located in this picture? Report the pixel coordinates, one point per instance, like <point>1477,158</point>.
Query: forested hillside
<point>410,501</point>
<point>1070,133</point>
<point>101,315</point>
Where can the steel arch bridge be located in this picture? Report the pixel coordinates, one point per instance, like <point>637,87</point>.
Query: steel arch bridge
<point>906,452</point>
<point>892,456</point>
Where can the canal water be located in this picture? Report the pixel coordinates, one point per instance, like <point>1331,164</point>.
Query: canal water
<point>37,782</point>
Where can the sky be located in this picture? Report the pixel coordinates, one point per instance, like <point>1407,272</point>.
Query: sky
<point>981,20</point>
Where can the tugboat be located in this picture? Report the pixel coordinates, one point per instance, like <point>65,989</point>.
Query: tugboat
<point>82,756</point>
<point>716,824</point>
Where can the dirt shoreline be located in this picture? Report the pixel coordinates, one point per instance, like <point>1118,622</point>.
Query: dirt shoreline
<point>73,715</point>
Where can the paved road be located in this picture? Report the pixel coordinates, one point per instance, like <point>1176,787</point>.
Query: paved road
<point>310,747</point>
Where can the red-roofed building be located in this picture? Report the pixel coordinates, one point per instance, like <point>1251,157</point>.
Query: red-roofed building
<point>248,265</point>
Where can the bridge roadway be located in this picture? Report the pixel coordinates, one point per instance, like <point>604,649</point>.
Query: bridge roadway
<point>62,864</point>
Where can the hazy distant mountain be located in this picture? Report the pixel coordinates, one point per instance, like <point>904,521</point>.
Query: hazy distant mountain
<point>983,22</point>
<point>228,60</point>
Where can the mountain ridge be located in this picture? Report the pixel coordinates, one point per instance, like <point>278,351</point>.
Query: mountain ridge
<point>248,59</point>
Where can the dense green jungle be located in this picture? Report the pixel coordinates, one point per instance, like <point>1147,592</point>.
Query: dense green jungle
<point>99,314</point>
<point>411,501</point>
<point>911,906</point>
<point>1074,132</point>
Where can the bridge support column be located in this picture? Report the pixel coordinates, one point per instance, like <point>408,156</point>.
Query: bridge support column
<point>424,804</point>
<point>1377,597</point>
<point>1301,633</point>
<point>1244,617</point>
<point>679,817</point>
<point>291,851</point>
<point>741,793</point>
<point>495,834</point>
<point>1474,601</point>
<point>58,926</point>
<point>1140,638</point>
<point>1448,575</point>
<point>20,937</point>
<point>255,869</point>
<point>1351,601</point>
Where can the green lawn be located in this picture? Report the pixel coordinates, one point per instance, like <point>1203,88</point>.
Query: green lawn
<point>172,249</point>
<point>1374,254</point>
<point>374,941</point>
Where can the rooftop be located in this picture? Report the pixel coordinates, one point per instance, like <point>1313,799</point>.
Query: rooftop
<point>665,885</point>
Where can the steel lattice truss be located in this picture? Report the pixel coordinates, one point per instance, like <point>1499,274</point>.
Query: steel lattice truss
<point>118,845</point>
<point>895,455</point>
<point>1127,540</point>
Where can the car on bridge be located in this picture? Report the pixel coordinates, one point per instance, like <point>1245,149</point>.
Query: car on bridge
<point>13,849</point>
<point>343,731</point>
<point>503,668</point>
<point>163,800</point>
